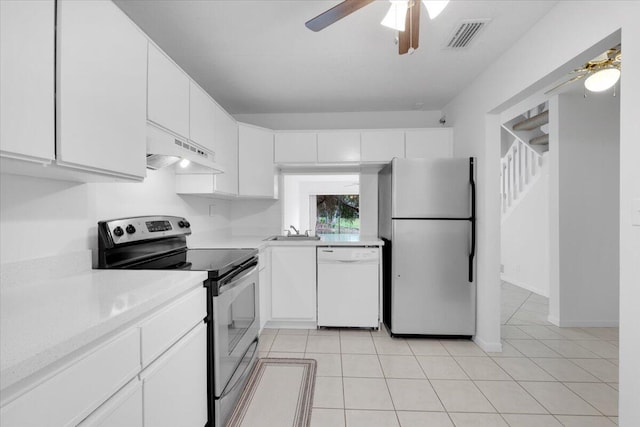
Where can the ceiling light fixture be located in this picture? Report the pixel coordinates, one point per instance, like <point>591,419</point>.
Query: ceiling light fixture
<point>435,7</point>
<point>602,80</point>
<point>397,15</point>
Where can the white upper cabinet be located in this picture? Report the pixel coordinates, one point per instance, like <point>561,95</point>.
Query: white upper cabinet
<point>102,75</point>
<point>27,79</point>
<point>296,147</point>
<point>337,146</point>
<point>168,98</point>
<point>201,118</point>
<point>382,145</point>
<point>226,140</point>
<point>429,143</point>
<point>256,173</point>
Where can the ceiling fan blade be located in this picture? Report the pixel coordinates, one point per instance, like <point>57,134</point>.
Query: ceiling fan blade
<point>409,38</point>
<point>347,7</point>
<point>566,83</point>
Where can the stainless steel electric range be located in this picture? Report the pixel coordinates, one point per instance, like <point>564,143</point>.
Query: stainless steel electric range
<point>159,243</point>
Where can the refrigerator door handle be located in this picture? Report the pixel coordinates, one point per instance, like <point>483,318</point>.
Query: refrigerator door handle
<point>472,252</point>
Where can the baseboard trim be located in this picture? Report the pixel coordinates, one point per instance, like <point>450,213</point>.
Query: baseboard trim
<point>554,320</point>
<point>489,347</point>
<point>523,285</point>
<point>588,323</point>
<point>291,324</point>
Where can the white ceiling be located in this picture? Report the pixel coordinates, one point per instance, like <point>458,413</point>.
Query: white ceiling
<point>256,56</point>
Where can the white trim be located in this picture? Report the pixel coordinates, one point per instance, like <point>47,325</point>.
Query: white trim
<point>523,285</point>
<point>291,324</point>
<point>490,347</point>
<point>589,323</point>
<point>554,320</point>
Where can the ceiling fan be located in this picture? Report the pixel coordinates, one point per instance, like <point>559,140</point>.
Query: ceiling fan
<point>601,73</point>
<point>404,16</point>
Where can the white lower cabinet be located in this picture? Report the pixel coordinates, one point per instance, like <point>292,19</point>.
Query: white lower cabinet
<point>67,397</point>
<point>175,385</point>
<point>264,278</point>
<point>124,409</point>
<point>293,283</point>
<point>107,386</point>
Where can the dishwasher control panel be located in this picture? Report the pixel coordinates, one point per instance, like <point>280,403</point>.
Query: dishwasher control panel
<point>348,254</point>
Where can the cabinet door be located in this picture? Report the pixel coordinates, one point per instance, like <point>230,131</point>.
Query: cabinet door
<point>102,89</point>
<point>201,117</point>
<point>293,283</point>
<point>265,286</point>
<point>79,388</point>
<point>296,147</point>
<point>175,385</point>
<point>382,146</point>
<point>338,147</point>
<point>27,79</point>
<point>122,409</point>
<point>256,171</point>
<point>429,143</point>
<point>168,98</point>
<point>226,140</point>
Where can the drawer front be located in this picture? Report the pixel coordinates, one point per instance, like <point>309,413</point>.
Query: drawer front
<point>123,409</point>
<point>70,395</point>
<point>175,385</point>
<point>171,323</point>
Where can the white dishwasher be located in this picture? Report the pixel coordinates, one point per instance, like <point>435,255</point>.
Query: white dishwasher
<point>348,286</point>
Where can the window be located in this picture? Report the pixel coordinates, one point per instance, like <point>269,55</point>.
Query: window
<point>337,214</point>
<point>322,203</point>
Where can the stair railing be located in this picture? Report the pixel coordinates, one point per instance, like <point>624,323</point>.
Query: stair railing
<point>519,168</point>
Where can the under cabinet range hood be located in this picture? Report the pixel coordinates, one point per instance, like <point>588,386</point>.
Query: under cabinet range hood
<point>165,149</point>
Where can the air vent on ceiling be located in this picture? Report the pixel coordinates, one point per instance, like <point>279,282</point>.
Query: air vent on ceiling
<point>465,33</point>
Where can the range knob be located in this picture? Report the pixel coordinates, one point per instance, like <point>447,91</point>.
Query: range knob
<point>186,224</point>
<point>181,224</point>
<point>130,229</point>
<point>118,231</point>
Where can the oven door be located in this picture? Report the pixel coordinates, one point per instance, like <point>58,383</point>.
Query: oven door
<point>235,325</point>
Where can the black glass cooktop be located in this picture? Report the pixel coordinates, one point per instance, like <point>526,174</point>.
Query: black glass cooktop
<point>217,262</point>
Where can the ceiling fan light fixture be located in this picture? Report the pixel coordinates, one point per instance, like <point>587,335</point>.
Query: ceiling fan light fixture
<point>435,7</point>
<point>397,15</point>
<point>602,80</point>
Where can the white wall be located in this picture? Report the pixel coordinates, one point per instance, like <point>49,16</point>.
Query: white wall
<point>357,120</point>
<point>256,217</point>
<point>588,209</point>
<point>40,218</point>
<point>572,29</point>
<point>524,236</point>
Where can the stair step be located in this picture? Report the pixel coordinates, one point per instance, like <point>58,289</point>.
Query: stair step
<point>540,140</point>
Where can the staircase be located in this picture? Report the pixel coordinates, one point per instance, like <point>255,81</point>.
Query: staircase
<point>521,165</point>
<point>524,231</point>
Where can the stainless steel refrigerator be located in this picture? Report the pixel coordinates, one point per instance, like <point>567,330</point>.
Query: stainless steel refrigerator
<point>426,214</point>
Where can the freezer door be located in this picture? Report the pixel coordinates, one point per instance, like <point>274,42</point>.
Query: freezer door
<point>431,293</point>
<point>424,188</point>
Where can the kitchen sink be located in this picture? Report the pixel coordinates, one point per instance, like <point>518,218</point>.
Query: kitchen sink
<point>293,238</point>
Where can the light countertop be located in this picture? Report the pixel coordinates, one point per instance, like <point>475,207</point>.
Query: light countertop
<point>259,242</point>
<point>45,320</point>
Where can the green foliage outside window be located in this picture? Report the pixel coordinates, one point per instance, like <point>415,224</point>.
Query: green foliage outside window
<point>338,214</point>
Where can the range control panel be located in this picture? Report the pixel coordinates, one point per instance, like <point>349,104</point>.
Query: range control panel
<point>136,229</point>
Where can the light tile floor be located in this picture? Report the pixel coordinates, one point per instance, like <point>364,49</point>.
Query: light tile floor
<point>545,376</point>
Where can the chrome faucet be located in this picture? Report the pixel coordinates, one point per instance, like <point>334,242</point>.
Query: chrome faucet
<point>294,229</point>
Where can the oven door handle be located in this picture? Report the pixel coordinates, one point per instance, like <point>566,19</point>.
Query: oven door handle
<point>235,379</point>
<point>234,280</point>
